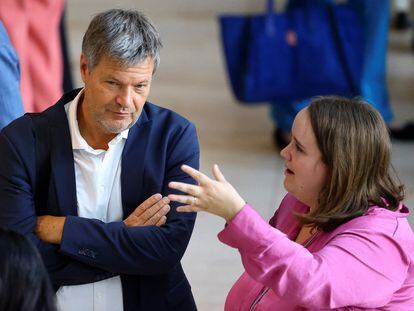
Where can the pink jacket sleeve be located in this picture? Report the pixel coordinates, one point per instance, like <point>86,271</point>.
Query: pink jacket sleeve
<point>357,267</point>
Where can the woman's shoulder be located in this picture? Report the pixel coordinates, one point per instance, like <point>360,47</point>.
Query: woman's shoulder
<point>379,221</point>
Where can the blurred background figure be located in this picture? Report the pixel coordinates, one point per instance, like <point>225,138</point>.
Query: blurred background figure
<point>403,17</point>
<point>67,83</point>
<point>24,283</point>
<point>402,14</point>
<point>374,15</point>
<point>10,101</point>
<point>403,21</point>
<point>404,133</point>
<point>33,28</point>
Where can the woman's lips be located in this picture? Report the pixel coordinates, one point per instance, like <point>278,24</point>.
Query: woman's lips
<point>289,172</point>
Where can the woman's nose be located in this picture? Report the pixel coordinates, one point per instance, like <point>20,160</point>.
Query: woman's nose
<point>285,152</point>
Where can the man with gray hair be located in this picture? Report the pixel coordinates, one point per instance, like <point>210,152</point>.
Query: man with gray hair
<point>87,179</point>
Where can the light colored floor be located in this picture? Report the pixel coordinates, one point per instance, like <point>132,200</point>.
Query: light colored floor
<point>192,81</point>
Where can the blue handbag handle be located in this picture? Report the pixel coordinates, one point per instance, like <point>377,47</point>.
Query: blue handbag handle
<point>269,13</point>
<point>341,51</point>
<point>270,27</point>
<point>269,6</point>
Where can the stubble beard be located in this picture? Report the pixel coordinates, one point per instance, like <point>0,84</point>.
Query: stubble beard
<point>115,127</point>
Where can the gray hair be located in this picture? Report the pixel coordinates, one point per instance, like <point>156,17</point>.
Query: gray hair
<point>128,36</point>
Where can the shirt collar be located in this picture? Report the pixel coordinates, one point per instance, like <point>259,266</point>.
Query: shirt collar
<point>78,142</point>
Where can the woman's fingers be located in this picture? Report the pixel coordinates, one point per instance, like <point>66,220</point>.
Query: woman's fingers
<point>183,187</point>
<point>188,208</point>
<point>185,199</point>
<point>197,175</point>
<point>194,193</point>
<point>218,175</point>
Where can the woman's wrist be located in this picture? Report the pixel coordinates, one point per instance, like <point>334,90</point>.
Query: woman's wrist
<point>236,208</point>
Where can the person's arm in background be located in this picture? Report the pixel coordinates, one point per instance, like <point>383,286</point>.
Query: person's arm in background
<point>11,106</point>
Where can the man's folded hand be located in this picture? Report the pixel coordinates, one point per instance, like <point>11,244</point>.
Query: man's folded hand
<point>152,212</point>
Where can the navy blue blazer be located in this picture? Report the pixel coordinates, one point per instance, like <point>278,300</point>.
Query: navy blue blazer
<point>146,258</point>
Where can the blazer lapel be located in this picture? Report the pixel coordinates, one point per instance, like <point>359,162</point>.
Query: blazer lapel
<point>133,157</point>
<point>63,171</point>
<point>61,156</point>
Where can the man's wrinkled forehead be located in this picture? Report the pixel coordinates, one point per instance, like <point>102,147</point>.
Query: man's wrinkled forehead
<point>121,64</point>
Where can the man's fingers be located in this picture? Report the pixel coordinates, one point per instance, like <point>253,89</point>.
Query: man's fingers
<point>218,175</point>
<point>161,207</point>
<point>148,203</point>
<point>162,221</point>
<point>146,210</point>
<point>186,188</point>
<point>157,215</point>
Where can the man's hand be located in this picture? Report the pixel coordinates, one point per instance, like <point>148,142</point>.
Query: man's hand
<point>50,228</point>
<point>150,213</point>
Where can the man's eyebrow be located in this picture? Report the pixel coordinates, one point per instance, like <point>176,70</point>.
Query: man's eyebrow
<point>111,77</point>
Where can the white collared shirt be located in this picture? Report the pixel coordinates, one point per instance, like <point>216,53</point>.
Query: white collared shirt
<point>98,190</point>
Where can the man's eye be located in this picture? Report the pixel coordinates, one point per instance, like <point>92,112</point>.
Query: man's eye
<point>111,82</point>
<point>298,148</point>
<point>140,86</point>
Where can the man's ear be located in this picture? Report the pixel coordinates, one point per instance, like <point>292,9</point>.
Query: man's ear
<point>84,70</point>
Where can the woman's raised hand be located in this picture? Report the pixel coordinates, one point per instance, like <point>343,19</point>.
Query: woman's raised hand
<point>215,196</point>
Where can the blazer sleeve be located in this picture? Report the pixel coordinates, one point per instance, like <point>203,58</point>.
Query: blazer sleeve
<point>17,209</point>
<point>343,273</point>
<point>139,250</point>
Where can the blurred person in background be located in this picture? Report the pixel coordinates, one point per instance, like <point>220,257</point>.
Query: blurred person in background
<point>67,83</point>
<point>401,18</point>
<point>340,239</point>
<point>33,27</point>
<point>374,15</point>
<point>402,21</point>
<point>24,282</point>
<point>403,133</point>
<point>10,101</point>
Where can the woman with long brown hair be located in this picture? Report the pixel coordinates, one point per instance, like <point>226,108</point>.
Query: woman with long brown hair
<point>340,239</point>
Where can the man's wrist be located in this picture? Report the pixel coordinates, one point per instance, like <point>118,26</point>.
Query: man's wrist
<point>50,228</point>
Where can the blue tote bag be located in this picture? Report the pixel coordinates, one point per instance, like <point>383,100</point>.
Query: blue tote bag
<point>324,57</point>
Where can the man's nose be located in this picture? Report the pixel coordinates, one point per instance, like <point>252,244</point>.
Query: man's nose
<point>124,97</point>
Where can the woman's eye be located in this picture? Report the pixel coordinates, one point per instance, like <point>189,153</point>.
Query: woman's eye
<point>298,148</point>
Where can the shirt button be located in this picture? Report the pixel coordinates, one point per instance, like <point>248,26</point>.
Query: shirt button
<point>102,188</point>
<point>99,295</point>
